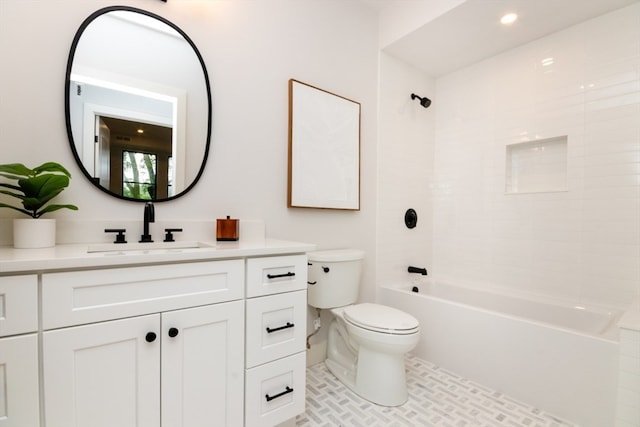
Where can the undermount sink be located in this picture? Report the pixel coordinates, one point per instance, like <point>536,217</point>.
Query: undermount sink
<point>145,247</point>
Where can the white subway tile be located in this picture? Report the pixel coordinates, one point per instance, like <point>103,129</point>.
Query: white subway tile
<point>630,364</point>
<point>584,242</point>
<point>630,381</point>
<point>630,345</point>
<point>627,415</point>
<point>629,398</point>
<point>624,423</point>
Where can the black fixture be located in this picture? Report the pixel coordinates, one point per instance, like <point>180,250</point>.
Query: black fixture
<point>168,236</point>
<point>287,390</point>
<point>411,218</point>
<point>120,237</point>
<point>277,276</point>
<point>419,270</point>
<point>310,283</point>
<point>424,101</point>
<point>279,328</point>
<point>149,216</point>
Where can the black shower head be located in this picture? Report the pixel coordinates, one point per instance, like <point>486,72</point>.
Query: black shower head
<point>425,102</point>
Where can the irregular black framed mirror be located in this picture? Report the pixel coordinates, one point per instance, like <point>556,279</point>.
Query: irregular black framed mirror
<point>137,105</point>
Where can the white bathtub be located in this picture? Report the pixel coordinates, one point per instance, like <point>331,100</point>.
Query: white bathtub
<point>559,358</point>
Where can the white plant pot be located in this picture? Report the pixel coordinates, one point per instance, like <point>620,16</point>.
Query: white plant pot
<point>31,233</point>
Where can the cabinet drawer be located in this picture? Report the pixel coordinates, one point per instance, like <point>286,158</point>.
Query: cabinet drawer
<point>78,297</point>
<point>275,391</point>
<point>272,275</point>
<point>276,326</point>
<point>18,304</point>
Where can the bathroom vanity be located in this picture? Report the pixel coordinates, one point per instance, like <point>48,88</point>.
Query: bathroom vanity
<point>153,337</point>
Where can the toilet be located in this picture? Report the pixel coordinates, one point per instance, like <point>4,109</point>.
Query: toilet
<point>367,342</point>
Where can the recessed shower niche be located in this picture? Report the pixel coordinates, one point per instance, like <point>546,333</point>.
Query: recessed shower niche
<point>537,166</point>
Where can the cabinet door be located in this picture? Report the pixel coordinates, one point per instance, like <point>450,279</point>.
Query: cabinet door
<point>103,375</point>
<point>203,366</point>
<point>19,381</point>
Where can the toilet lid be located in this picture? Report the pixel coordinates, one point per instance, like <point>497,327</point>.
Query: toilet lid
<point>381,318</point>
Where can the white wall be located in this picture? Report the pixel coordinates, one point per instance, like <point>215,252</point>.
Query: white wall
<point>405,170</point>
<point>583,244</point>
<point>251,49</point>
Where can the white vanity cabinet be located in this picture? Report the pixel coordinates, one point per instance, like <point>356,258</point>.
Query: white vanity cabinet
<point>275,339</point>
<point>196,337</point>
<point>156,363</point>
<point>19,398</point>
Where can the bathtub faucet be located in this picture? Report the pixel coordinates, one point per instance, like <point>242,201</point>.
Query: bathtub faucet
<point>422,271</point>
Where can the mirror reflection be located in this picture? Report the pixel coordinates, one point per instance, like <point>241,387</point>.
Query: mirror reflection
<point>138,105</point>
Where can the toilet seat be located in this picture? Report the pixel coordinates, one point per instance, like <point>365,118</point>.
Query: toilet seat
<point>380,318</point>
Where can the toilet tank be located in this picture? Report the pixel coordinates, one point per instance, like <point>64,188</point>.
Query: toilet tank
<point>334,277</point>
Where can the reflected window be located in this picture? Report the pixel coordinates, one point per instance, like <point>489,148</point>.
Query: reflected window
<point>139,175</point>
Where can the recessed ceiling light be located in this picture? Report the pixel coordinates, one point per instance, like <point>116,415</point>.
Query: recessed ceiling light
<point>140,130</point>
<point>546,62</point>
<point>508,19</point>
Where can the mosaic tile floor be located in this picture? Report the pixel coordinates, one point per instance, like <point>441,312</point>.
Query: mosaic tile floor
<point>437,398</point>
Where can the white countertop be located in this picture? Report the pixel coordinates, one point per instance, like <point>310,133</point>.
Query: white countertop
<point>73,256</point>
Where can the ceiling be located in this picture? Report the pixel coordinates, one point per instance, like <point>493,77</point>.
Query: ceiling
<point>152,137</point>
<point>472,32</point>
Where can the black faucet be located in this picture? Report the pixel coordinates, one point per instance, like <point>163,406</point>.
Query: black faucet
<point>149,216</point>
<point>422,271</point>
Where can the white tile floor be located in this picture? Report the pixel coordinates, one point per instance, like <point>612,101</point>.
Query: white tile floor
<point>437,398</point>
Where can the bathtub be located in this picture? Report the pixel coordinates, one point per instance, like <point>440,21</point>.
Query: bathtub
<point>560,358</point>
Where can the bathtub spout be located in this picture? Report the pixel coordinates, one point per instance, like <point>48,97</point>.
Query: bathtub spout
<point>422,271</point>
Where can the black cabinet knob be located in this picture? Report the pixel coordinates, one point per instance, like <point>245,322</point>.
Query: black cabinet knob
<point>173,332</point>
<point>150,337</point>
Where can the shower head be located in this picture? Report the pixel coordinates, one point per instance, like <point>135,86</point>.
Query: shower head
<point>425,102</point>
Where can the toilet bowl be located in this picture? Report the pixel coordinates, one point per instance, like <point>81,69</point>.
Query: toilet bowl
<point>367,342</point>
<point>366,349</point>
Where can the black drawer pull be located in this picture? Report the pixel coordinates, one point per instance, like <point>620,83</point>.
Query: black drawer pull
<point>286,391</point>
<point>275,276</point>
<point>287,326</point>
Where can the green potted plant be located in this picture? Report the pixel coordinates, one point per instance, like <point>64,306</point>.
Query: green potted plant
<point>35,188</point>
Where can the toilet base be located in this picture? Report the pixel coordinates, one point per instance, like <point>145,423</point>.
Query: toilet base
<point>377,377</point>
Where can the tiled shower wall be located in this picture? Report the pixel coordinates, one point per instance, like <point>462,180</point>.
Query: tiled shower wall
<point>405,169</point>
<point>581,244</point>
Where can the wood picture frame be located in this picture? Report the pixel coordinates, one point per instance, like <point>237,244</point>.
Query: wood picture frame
<point>324,149</point>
